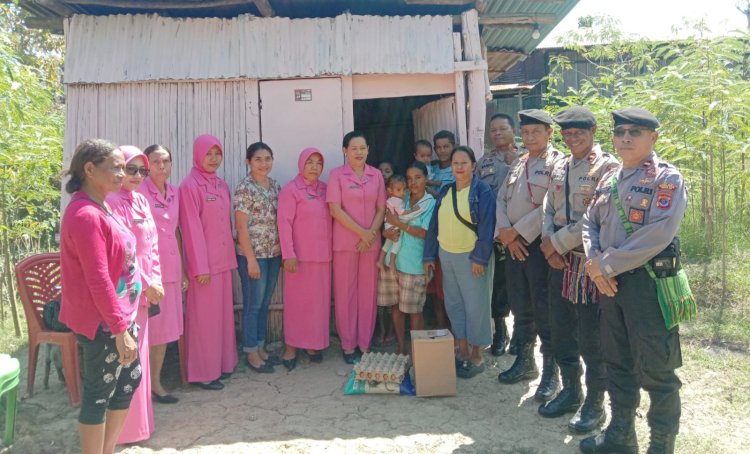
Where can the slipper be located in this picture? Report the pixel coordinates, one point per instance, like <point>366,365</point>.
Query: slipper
<point>215,385</point>
<point>265,368</point>
<point>316,357</point>
<point>290,364</point>
<point>273,360</point>
<point>165,399</point>
<point>469,369</point>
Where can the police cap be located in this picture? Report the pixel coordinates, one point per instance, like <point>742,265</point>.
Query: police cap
<point>635,116</point>
<point>535,117</point>
<point>576,117</point>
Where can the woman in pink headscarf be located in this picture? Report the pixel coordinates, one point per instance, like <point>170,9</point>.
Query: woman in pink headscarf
<point>205,207</point>
<point>304,223</point>
<point>132,209</point>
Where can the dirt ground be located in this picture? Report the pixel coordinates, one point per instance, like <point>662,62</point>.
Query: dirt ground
<point>305,411</point>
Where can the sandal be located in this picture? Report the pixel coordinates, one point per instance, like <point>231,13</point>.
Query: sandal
<point>469,369</point>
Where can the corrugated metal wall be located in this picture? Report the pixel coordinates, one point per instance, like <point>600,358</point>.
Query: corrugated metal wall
<point>433,117</point>
<point>136,48</point>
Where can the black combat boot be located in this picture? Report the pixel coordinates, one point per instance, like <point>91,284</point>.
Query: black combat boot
<point>513,345</point>
<point>569,399</point>
<point>500,339</point>
<point>591,415</point>
<point>618,438</point>
<point>523,368</point>
<point>550,383</point>
<point>661,442</point>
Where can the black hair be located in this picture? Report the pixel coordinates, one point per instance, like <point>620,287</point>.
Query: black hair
<point>352,134</point>
<point>155,147</point>
<point>467,150</point>
<point>385,161</point>
<point>94,151</point>
<point>504,117</point>
<point>256,147</point>
<point>422,143</point>
<point>419,165</point>
<point>395,178</point>
<point>444,135</point>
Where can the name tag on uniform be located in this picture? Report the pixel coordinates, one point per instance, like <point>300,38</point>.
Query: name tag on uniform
<point>355,186</point>
<point>211,199</point>
<point>138,220</point>
<point>158,205</point>
<point>311,197</point>
<point>488,170</point>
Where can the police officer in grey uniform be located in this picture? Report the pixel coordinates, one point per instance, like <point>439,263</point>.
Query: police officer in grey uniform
<point>639,351</point>
<point>492,168</point>
<point>573,297</point>
<point>518,228</point>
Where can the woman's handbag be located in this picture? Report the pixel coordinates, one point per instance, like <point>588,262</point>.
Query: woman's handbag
<point>673,290</point>
<point>51,317</point>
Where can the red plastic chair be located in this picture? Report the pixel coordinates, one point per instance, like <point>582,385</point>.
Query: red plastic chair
<point>38,280</point>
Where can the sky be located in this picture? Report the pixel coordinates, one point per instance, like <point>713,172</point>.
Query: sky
<point>653,18</point>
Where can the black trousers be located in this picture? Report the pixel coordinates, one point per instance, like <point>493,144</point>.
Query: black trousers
<point>575,334</point>
<point>527,291</point>
<point>500,303</point>
<point>639,351</point>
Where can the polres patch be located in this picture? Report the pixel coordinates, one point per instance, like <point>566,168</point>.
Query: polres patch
<point>663,200</point>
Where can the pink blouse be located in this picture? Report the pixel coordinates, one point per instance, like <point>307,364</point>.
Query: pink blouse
<point>304,222</point>
<point>360,198</point>
<point>165,211</point>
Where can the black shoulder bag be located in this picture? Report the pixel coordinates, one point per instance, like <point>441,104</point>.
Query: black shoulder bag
<point>468,224</point>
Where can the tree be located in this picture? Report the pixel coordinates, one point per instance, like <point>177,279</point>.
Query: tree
<point>699,89</point>
<point>31,126</point>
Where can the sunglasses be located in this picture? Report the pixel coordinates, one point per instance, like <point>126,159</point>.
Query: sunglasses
<point>135,170</point>
<point>634,132</point>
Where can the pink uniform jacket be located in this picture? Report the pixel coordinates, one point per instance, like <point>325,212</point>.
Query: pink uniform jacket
<point>205,208</point>
<point>165,212</point>
<point>303,218</point>
<point>360,198</point>
<point>133,210</point>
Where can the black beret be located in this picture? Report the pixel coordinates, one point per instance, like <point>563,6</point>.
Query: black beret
<point>635,116</point>
<point>576,117</point>
<point>535,117</point>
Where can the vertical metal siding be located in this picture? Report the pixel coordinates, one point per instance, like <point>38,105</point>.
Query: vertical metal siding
<point>134,48</point>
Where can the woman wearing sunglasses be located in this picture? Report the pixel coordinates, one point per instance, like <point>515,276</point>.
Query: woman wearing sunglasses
<point>132,210</point>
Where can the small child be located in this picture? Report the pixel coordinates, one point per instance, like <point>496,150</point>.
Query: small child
<point>396,188</point>
<point>423,153</point>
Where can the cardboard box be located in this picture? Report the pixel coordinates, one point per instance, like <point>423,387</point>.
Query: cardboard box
<point>434,362</point>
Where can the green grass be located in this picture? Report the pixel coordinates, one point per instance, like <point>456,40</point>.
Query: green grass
<point>721,320</point>
<point>9,342</point>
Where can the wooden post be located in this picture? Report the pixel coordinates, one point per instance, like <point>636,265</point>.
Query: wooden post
<point>460,93</point>
<point>477,84</point>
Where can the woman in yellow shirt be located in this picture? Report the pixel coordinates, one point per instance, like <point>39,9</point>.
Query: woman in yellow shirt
<point>460,233</point>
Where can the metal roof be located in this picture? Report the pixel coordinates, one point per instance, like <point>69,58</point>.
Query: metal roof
<point>508,41</point>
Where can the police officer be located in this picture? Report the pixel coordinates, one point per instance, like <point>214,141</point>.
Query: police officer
<point>573,297</point>
<point>639,351</point>
<point>492,168</point>
<point>519,223</point>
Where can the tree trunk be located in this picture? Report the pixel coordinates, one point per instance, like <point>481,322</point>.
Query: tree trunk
<point>8,273</point>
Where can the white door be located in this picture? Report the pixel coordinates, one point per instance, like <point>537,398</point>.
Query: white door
<point>301,113</point>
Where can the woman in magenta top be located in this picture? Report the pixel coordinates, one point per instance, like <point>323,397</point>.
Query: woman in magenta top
<point>205,209</point>
<point>356,198</point>
<point>101,287</point>
<point>167,326</point>
<point>132,210</point>
<point>305,233</point>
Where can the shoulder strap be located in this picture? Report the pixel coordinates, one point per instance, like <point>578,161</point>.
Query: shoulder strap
<point>625,223</point>
<point>468,224</point>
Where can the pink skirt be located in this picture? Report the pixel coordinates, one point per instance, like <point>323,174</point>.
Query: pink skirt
<point>307,306</point>
<point>168,326</point>
<point>139,424</point>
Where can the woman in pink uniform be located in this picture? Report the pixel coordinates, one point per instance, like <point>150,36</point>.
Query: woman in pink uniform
<point>132,209</point>
<point>356,198</point>
<point>167,326</point>
<point>205,208</point>
<point>304,223</point>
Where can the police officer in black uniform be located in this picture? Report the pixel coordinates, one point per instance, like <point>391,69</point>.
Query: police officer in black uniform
<point>492,168</point>
<point>573,297</point>
<point>518,228</point>
<point>639,351</point>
